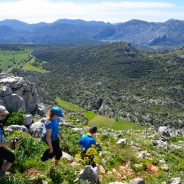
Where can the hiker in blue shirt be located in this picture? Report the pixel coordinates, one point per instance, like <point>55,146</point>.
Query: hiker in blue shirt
<point>88,140</point>
<point>52,136</point>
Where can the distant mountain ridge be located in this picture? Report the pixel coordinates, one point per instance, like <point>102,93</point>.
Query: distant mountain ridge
<point>66,31</point>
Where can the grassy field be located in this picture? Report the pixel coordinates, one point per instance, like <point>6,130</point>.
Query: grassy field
<point>69,106</point>
<point>100,121</point>
<point>33,66</point>
<point>13,58</point>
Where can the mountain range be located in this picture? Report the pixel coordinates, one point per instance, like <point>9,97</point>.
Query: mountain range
<point>74,32</point>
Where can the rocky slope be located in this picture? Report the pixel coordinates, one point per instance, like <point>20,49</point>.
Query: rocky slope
<point>151,156</point>
<point>18,94</point>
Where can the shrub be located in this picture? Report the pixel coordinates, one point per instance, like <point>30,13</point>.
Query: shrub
<point>64,174</point>
<point>69,143</point>
<point>30,148</point>
<point>11,180</point>
<point>15,118</point>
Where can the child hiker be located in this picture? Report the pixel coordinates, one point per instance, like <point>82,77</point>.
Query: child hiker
<point>52,135</point>
<point>88,140</point>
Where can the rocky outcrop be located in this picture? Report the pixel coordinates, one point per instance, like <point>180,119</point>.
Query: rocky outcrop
<point>89,174</point>
<point>175,181</point>
<point>165,131</point>
<point>20,128</point>
<point>36,128</point>
<point>17,94</point>
<point>137,181</point>
<point>3,112</point>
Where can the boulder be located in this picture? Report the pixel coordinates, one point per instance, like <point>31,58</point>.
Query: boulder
<point>14,103</point>
<point>122,141</point>
<point>12,82</point>
<point>175,181</point>
<point>165,131</point>
<point>21,128</point>
<point>79,130</point>
<point>165,167</point>
<point>144,154</point>
<point>30,101</point>
<point>117,182</point>
<point>89,174</point>
<point>2,103</point>
<point>23,89</point>
<point>5,91</point>
<point>3,112</point>
<point>68,157</point>
<point>41,110</point>
<point>28,119</point>
<point>137,181</point>
<point>37,128</point>
<point>159,143</point>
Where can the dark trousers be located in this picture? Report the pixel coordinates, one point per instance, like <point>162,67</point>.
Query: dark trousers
<point>7,155</point>
<point>57,152</point>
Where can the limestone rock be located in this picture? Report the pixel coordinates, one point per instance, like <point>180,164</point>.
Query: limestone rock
<point>2,103</point>
<point>122,141</point>
<point>165,131</point>
<point>5,91</point>
<point>41,109</point>
<point>28,119</point>
<point>30,101</point>
<point>37,128</point>
<point>165,167</point>
<point>137,181</point>
<point>175,181</point>
<point>89,174</point>
<point>12,82</point>
<point>14,103</point>
<point>23,89</point>
<point>3,112</point>
<point>68,157</point>
<point>116,182</point>
<point>21,128</point>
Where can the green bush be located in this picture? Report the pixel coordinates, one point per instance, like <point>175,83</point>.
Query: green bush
<point>15,118</point>
<point>69,143</point>
<point>11,180</point>
<point>29,149</point>
<point>63,174</point>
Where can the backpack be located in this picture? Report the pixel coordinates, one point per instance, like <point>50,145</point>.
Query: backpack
<point>43,134</point>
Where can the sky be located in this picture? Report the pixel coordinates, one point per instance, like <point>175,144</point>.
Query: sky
<point>34,11</point>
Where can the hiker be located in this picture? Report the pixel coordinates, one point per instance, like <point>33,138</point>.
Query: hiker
<point>88,140</point>
<point>52,135</point>
<point>6,157</point>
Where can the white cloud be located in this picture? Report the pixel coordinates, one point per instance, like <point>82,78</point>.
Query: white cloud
<point>44,10</point>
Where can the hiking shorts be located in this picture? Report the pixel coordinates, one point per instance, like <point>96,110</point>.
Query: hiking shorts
<point>7,155</point>
<point>57,152</point>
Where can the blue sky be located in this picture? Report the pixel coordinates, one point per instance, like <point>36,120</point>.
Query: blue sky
<point>33,11</point>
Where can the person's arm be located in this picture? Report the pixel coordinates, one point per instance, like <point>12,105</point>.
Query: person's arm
<point>48,139</point>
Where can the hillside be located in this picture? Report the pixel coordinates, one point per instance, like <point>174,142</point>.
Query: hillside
<point>115,80</point>
<point>74,32</point>
<point>129,155</point>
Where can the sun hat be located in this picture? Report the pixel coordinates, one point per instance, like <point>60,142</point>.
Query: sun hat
<point>57,111</point>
